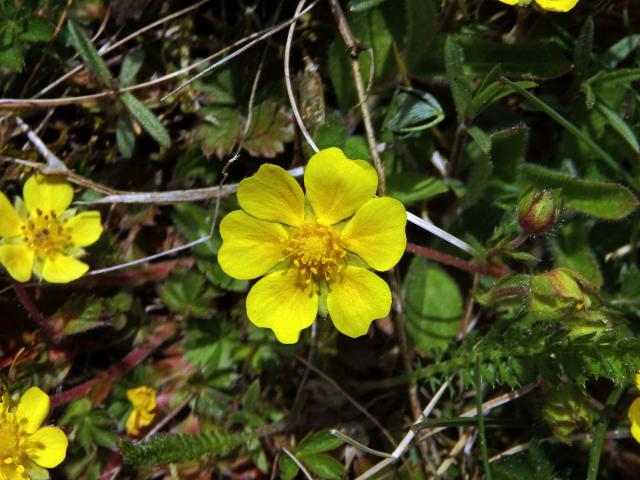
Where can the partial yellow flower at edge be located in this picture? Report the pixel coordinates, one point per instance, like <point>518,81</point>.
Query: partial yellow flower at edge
<point>634,418</point>
<point>26,448</point>
<point>45,237</point>
<point>143,400</point>
<point>550,5</point>
<point>315,258</point>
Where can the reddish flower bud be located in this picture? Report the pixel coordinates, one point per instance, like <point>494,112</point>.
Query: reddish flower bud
<point>538,211</point>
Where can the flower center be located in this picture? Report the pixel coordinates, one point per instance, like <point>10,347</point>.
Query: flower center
<point>315,251</point>
<point>11,442</point>
<point>46,234</point>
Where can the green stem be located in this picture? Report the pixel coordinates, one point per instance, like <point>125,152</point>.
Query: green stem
<point>600,432</point>
<point>576,132</point>
<point>480,416</point>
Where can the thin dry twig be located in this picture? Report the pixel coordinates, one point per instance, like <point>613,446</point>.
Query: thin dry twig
<point>287,79</point>
<point>353,49</point>
<point>408,438</point>
<point>253,39</point>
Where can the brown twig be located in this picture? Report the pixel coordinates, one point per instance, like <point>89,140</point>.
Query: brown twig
<point>495,272</point>
<point>353,49</point>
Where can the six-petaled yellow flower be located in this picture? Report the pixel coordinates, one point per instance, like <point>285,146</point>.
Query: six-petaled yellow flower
<point>41,235</point>
<point>26,448</point>
<point>316,251</point>
<point>143,400</point>
<point>551,5</point>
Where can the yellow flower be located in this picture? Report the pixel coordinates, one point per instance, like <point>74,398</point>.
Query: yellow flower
<point>25,447</point>
<point>634,418</point>
<point>315,252</point>
<point>41,236</point>
<point>143,400</point>
<point>551,5</point>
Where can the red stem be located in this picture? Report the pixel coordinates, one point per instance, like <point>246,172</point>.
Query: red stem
<point>457,262</point>
<point>33,311</point>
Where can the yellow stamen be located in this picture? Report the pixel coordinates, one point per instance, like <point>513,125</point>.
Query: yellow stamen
<point>46,234</point>
<point>316,252</point>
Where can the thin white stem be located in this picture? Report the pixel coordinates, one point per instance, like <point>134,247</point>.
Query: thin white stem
<point>360,446</point>
<point>287,79</point>
<point>241,50</point>
<point>298,463</point>
<point>408,438</point>
<point>438,232</point>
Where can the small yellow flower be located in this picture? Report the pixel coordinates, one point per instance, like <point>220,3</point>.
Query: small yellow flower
<point>25,447</point>
<point>315,252</point>
<point>143,400</point>
<point>41,236</point>
<point>634,418</point>
<point>551,5</point>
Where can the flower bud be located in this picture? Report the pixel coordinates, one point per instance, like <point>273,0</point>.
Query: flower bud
<point>538,211</point>
<point>566,411</point>
<point>558,293</point>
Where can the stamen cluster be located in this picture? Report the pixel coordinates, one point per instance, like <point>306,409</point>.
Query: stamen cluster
<point>316,252</point>
<point>46,234</point>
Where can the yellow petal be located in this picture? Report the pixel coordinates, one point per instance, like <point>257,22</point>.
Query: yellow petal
<point>377,232</point>
<point>634,418</point>
<point>32,409</point>
<point>557,5</point>
<point>272,194</point>
<point>510,2</point>
<point>47,447</point>
<point>18,260</point>
<point>280,303</point>
<point>63,269</point>
<point>336,186</point>
<point>142,398</point>
<point>138,419</point>
<point>357,298</point>
<point>85,228</point>
<point>10,221</point>
<point>250,247</point>
<point>638,381</point>
<point>47,194</point>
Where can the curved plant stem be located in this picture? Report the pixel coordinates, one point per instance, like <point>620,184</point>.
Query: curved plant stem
<point>600,432</point>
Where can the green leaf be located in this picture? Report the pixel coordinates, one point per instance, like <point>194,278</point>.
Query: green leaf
<point>318,443</point>
<point>571,250</point>
<point>324,466</point>
<point>372,28</point>
<point>534,61</point>
<point>481,138</point>
<point>189,295</point>
<point>582,51</point>
<point>609,201</point>
<point>410,187</point>
<point>362,5</point>
<point>508,148</point>
<point>422,27</point>
<point>620,126</point>
<point>271,128</point>
<point>146,119</point>
<point>125,136</point>
<point>38,29</point>
<point>251,398</point>
<point>433,306</point>
<point>88,52</point>
<point>219,133</point>
<point>530,465</point>
<point>620,50</point>
<point>131,66</point>
<point>12,56</point>
<point>459,84</point>
<point>490,94</point>
<point>288,469</point>
<point>412,110</point>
